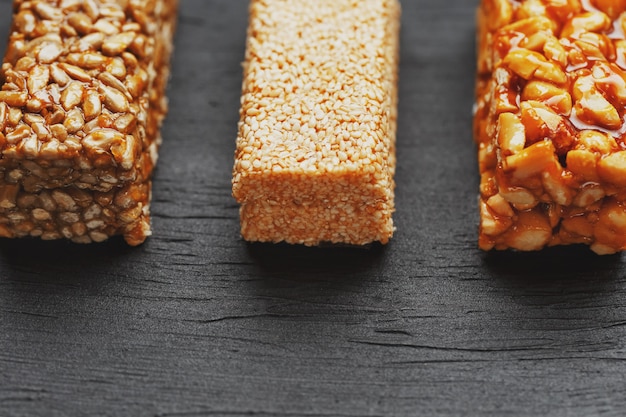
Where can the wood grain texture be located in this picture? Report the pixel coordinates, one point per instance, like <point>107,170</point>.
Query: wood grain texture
<point>198,323</point>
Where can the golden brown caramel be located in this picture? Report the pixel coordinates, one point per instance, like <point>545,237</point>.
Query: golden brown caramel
<point>550,123</point>
<point>81,103</point>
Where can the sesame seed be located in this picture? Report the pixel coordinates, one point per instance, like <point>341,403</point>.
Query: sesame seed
<point>322,144</point>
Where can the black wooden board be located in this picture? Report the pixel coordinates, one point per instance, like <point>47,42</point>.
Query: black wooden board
<point>198,323</point>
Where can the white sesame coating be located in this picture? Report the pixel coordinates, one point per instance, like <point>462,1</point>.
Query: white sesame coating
<point>315,154</point>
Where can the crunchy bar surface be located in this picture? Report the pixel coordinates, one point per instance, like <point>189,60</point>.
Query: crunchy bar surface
<point>81,104</point>
<point>549,123</point>
<point>315,154</point>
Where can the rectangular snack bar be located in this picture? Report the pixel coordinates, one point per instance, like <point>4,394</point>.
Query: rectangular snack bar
<point>81,104</point>
<point>315,154</point>
<point>549,123</point>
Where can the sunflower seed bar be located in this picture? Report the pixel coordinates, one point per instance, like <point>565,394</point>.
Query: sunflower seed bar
<point>81,104</point>
<point>549,123</point>
<point>315,154</point>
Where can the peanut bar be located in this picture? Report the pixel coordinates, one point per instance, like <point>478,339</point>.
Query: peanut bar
<point>81,104</point>
<point>549,123</point>
<point>315,153</point>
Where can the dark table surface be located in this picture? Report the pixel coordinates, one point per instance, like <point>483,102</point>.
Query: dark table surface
<point>198,323</point>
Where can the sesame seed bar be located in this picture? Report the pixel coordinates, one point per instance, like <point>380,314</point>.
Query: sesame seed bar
<point>550,124</point>
<point>315,153</point>
<point>82,99</point>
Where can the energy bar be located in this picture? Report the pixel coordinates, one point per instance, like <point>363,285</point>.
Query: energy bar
<point>315,155</point>
<point>82,99</point>
<point>549,123</point>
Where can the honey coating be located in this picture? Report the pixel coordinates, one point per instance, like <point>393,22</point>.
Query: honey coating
<point>549,124</point>
<point>81,104</point>
<point>315,153</point>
